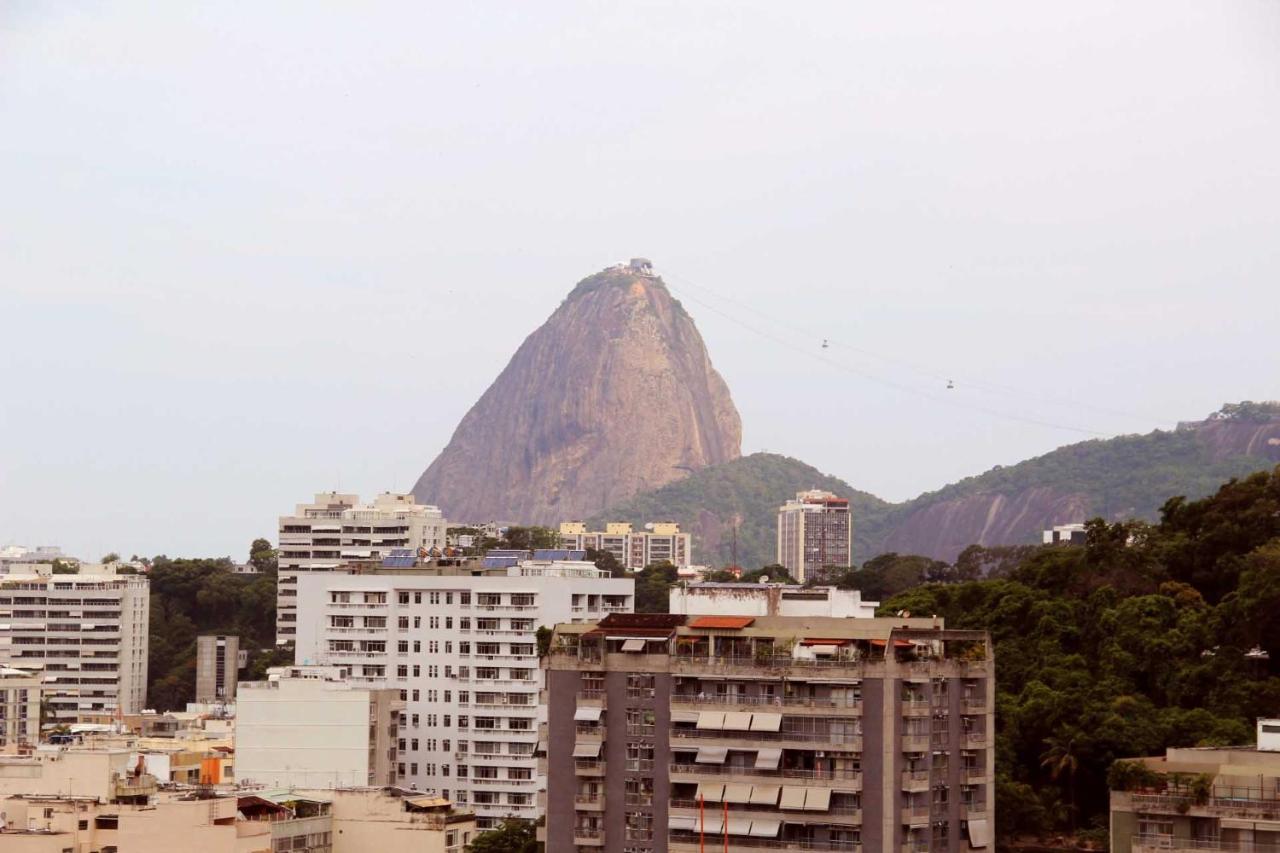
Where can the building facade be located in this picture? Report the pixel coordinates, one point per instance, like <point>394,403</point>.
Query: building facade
<point>768,599</point>
<point>86,634</point>
<point>461,648</point>
<point>1201,799</point>
<point>670,732</point>
<point>19,710</point>
<point>660,541</point>
<point>311,726</point>
<point>337,533</point>
<point>815,535</point>
<point>217,663</point>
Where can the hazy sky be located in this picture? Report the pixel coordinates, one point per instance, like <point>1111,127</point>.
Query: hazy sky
<point>251,251</point>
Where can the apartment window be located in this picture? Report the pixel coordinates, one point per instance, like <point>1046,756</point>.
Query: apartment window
<point>402,671</point>
<point>417,598</point>
<point>522,599</point>
<point>448,646</point>
<point>448,598</point>
<point>464,598</point>
<point>402,647</point>
<point>403,598</point>
<point>417,646</point>
<point>403,623</point>
<point>417,621</point>
<point>417,670</point>
<point>416,696</point>
<point>448,621</point>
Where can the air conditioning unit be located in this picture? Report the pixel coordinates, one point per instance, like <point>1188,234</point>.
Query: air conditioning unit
<point>819,754</point>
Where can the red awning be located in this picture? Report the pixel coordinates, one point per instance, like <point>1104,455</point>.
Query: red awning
<point>733,622</point>
<point>817,641</point>
<point>899,644</point>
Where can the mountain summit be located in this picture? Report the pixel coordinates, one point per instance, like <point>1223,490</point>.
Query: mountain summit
<point>613,395</point>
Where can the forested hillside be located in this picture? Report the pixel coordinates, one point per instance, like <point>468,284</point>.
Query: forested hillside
<point>1135,642</point>
<point>204,596</point>
<point>1119,478</point>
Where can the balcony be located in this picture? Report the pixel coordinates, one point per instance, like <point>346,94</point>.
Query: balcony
<point>844,779</point>
<point>915,780</point>
<point>1170,844</point>
<point>588,837</point>
<point>973,705</point>
<point>791,703</point>
<point>915,815</point>
<point>589,802</point>
<point>915,743</point>
<point>974,774</point>
<point>588,767</point>
<point>690,842</point>
<point>835,815</point>
<point>915,708</point>
<point>792,740</point>
<point>974,740</point>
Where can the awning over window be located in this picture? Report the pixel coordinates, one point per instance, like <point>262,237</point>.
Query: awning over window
<point>685,824</point>
<point>738,826</point>
<point>710,792</point>
<point>979,833</point>
<point>633,645</point>
<point>765,795</point>
<point>722,622</point>
<point>590,715</point>
<point>587,750</point>
<point>737,793</point>
<point>712,755</point>
<point>711,719</point>
<point>737,721</point>
<point>792,797</point>
<point>817,800</point>
<point>765,828</point>
<point>768,759</point>
<point>684,716</point>
<point>711,824</point>
<point>766,722</point>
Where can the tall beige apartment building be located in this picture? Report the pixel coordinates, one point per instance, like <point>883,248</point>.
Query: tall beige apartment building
<point>815,535</point>
<point>659,541</point>
<point>19,710</point>
<point>336,533</point>
<point>85,633</point>
<point>675,734</point>
<point>217,665</point>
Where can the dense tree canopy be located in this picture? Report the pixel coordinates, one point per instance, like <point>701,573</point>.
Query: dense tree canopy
<point>1132,643</point>
<point>201,596</point>
<point>511,836</point>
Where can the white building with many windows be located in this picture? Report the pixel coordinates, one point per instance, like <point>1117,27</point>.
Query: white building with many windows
<point>85,633</point>
<point>461,646</point>
<point>337,533</point>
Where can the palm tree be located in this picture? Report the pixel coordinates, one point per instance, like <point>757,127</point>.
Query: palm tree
<point>1060,759</point>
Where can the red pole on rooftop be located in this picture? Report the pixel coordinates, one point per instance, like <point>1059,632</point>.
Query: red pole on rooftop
<point>726,825</point>
<point>702,824</point>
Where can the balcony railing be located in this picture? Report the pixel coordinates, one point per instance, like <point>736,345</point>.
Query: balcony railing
<point>776,701</point>
<point>1166,842</point>
<point>851,740</point>
<point>691,839</point>
<point>777,773</point>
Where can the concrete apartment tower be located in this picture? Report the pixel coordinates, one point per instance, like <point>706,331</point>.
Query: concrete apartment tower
<point>459,643</point>
<point>668,733</point>
<point>19,710</point>
<point>660,541</point>
<point>217,662</point>
<point>815,535</point>
<point>87,634</point>
<point>336,533</point>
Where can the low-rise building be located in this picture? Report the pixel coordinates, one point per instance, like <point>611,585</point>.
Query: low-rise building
<point>1066,534</point>
<point>1200,799</point>
<point>311,726</point>
<point>658,542</point>
<point>19,710</point>
<point>768,599</point>
<point>674,734</point>
<point>394,820</point>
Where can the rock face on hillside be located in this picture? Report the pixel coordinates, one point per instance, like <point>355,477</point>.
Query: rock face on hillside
<point>613,395</point>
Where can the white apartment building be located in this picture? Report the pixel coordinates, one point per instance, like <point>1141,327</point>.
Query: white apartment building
<point>815,535</point>
<point>769,599</point>
<point>336,532</point>
<point>660,541</point>
<point>87,634</point>
<point>311,726</point>
<point>462,650</point>
<point>19,710</point>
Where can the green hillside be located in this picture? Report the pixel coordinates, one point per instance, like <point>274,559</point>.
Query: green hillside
<point>1125,477</point>
<point>750,489</point>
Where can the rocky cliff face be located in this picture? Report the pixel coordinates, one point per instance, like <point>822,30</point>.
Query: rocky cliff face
<point>613,395</point>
